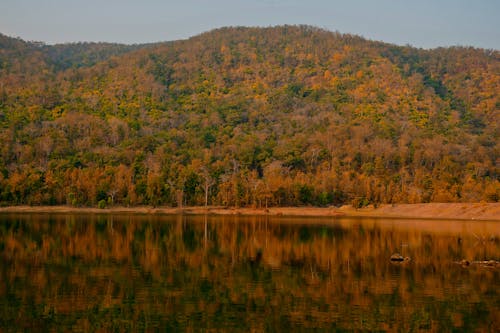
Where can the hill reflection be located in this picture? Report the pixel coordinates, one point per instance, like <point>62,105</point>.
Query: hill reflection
<point>90,272</point>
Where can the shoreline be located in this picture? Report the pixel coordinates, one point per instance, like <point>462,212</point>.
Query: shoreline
<point>459,211</point>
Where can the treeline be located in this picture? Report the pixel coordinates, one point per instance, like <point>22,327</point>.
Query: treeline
<point>248,117</point>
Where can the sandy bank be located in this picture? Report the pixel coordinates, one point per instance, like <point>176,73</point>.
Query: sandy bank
<point>466,211</point>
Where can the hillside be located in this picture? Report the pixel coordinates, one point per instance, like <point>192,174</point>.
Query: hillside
<point>290,115</point>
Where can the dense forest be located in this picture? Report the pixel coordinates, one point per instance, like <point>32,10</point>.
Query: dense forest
<point>290,115</point>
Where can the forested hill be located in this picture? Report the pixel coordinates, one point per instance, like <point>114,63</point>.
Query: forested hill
<point>290,115</point>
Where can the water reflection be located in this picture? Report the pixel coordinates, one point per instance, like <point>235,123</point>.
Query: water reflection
<point>89,272</point>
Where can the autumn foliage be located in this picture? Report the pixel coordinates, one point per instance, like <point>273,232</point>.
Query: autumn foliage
<point>291,115</point>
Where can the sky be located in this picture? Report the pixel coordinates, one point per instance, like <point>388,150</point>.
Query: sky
<point>420,23</point>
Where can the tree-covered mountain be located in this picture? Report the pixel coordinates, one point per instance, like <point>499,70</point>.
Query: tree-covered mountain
<point>290,115</point>
<point>60,56</point>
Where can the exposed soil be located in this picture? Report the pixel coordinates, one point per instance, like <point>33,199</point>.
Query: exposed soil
<point>463,211</point>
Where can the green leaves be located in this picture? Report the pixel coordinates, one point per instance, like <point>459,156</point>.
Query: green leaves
<point>328,113</point>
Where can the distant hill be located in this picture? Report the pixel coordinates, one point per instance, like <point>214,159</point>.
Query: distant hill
<point>60,56</point>
<point>282,116</point>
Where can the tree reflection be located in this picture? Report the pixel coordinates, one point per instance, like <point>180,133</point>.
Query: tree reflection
<point>90,272</point>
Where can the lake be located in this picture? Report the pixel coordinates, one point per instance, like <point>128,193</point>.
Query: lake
<point>85,272</point>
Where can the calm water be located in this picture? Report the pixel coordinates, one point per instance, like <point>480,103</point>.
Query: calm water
<point>132,272</point>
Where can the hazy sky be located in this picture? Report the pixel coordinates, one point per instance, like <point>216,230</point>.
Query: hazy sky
<point>422,23</point>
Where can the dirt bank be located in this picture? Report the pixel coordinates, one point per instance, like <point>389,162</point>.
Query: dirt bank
<point>466,211</point>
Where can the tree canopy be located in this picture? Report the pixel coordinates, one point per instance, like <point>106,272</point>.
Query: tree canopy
<point>290,115</point>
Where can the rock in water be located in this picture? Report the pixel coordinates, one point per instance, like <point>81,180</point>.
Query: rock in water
<point>397,257</point>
